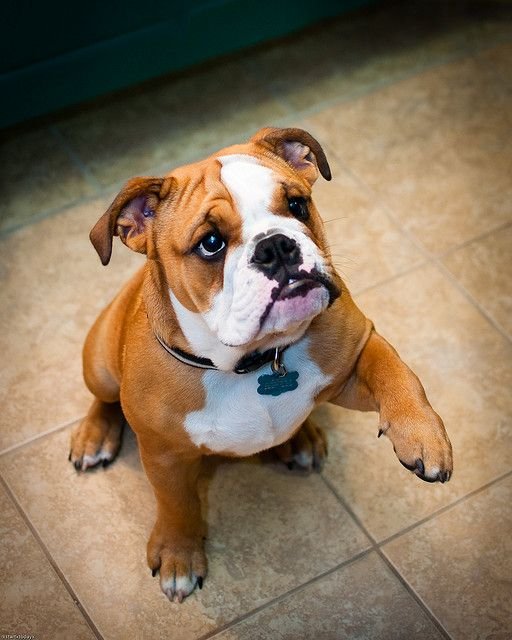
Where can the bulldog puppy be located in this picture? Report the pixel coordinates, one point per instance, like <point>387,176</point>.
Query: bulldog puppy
<point>232,332</point>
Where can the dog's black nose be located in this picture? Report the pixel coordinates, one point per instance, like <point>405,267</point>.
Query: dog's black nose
<point>276,252</point>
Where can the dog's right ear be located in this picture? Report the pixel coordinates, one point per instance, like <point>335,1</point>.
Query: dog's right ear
<point>129,216</point>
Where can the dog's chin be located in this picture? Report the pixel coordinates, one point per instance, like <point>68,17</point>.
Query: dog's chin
<point>294,309</point>
<point>286,318</point>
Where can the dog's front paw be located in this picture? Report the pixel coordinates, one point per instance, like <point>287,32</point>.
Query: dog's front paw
<point>181,563</point>
<point>421,444</point>
<point>306,449</point>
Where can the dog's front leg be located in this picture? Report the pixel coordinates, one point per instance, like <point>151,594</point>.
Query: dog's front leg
<point>382,382</point>
<point>175,548</point>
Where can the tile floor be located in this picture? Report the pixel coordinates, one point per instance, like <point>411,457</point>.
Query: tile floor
<point>413,103</point>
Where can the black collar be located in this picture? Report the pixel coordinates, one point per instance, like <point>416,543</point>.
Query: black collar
<point>247,364</point>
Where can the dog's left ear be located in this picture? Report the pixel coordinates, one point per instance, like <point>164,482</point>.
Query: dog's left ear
<point>129,216</point>
<point>298,148</point>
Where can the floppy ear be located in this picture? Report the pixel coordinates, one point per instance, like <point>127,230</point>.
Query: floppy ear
<point>298,148</point>
<point>128,216</point>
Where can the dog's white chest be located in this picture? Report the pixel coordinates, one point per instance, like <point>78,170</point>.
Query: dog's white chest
<point>238,420</point>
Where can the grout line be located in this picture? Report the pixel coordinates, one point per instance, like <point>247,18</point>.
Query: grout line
<point>113,187</point>
<point>363,92</point>
<point>39,436</point>
<point>434,259</point>
<point>429,258</point>
<point>289,118</point>
<point>386,208</point>
<point>501,227</point>
<point>75,158</point>
<point>47,213</point>
<point>376,547</point>
<point>349,509</point>
<point>385,281</point>
<point>415,596</point>
<point>471,299</point>
<point>444,509</point>
<point>50,558</point>
<point>286,595</point>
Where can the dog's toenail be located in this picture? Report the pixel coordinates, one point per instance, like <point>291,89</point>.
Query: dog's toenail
<point>409,467</point>
<point>78,464</point>
<point>200,582</point>
<point>153,572</point>
<point>69,457</point>
<point>444,476</point>
<point>289,465</point>
<point>380,433</point>
<point>420,466</point>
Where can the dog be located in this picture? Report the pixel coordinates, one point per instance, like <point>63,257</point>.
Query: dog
<point>235,328</point>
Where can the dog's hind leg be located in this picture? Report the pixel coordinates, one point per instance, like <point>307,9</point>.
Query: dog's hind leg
<point>97,439</point>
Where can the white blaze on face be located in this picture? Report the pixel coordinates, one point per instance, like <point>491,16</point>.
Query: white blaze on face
<point>236,311</point>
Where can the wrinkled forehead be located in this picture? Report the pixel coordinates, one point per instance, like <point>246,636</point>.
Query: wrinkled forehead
<point>250,183</point>
<point>257,190</point>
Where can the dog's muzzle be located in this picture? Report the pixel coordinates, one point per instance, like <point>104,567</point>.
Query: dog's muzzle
<point>279,258</point>
<point>276,255</point>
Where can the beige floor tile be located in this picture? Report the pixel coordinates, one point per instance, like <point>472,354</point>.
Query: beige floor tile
<point>363,600</point>
<point>171,123</point>
<point>52,287</point>
<point>435,147</point>
<point>37,176</point>
<point>466,368</point>
<point>484,267</point>
<point>269,531</point>
<point>361,51</point>
<point>116,139</point>
<point>34,600</point>
<point>460,565</point>
<point>366,247</point>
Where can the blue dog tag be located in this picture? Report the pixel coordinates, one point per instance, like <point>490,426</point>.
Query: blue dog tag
<point>275,384</point>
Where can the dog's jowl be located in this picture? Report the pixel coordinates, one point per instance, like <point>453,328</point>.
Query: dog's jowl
<point>231,333</point>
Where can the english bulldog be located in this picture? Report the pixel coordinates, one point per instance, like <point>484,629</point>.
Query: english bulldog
<point>237,326</point>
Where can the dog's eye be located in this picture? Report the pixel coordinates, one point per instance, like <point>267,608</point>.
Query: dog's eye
<point>211,246</point>
<point>299,208</point>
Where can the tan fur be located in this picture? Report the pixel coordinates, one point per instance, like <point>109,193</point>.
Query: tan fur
<point>124,363</point>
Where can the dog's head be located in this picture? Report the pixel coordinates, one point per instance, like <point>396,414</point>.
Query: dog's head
<point>236,237</point>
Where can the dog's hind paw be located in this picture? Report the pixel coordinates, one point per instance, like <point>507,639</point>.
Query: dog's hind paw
<point>306,449</point>
<point>97,439</point>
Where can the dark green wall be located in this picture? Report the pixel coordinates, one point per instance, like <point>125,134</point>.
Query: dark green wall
<point>60,53</point>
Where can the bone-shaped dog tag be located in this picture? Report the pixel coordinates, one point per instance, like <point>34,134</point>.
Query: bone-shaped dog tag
<point>275,384</point>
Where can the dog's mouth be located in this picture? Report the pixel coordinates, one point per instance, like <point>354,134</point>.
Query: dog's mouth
<point>296,287</point>
<point>291,302</point>
<point>301,285</point>
<point>301,282</point>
